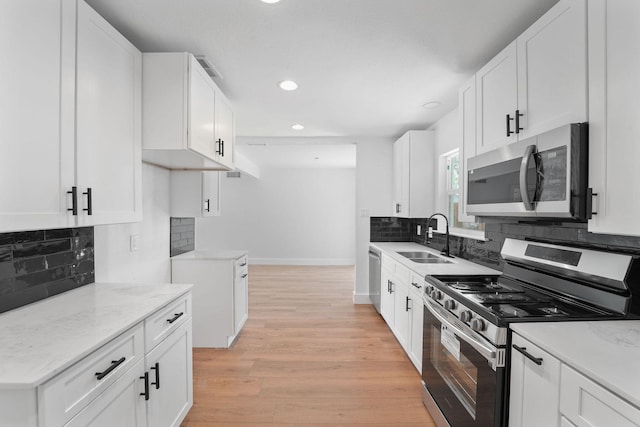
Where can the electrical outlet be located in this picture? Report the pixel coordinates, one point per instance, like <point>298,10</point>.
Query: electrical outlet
<point>418,229</point>
<point>430,233</point>
<point>134,242</point>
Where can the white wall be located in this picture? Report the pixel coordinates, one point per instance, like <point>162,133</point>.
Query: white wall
<point>448,137</point>
<point>288,216</point>
<point>114,262</point>
<point>374,160</point>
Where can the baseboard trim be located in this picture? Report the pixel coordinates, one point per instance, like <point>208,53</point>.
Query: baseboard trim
<point>302,261</point>
<point>361,298</point>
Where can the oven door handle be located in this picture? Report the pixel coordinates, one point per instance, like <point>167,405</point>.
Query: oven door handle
<point>524,181</point>
<point>487,352</point>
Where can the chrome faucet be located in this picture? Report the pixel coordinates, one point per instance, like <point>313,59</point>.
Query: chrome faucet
<point>445,250</point>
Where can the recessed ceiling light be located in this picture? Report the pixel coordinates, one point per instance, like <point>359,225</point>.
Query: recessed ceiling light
<point>288,85</point>
<point>431,105</point>
<point>270,1</point>
<point>297,127</point>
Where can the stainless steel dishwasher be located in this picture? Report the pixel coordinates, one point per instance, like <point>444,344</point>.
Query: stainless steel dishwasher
<point>374,277</point>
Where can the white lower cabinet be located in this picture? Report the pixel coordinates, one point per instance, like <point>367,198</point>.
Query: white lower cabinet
<point>119,405</point>
<point>535,386</point>
<point>401,306</point>
<point>220,294</point>
<point>587,404</point>
<point>141,378</point>
<point>169,367</point>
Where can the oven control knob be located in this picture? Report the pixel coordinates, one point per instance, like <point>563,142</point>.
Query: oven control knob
<point>449,304</point>
<point>436,294</point>
<point>477,325</point>
<point>465,316</point>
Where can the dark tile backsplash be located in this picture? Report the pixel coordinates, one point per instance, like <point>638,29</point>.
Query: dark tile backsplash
<point>183,235</point>
<point>488,252</point>
<point>38,264</point>
<point>390,229</point>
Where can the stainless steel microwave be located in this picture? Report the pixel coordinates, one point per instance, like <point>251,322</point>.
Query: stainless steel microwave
<point>545,176</point>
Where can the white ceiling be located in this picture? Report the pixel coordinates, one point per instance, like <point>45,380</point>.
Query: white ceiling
<point>364,67</point>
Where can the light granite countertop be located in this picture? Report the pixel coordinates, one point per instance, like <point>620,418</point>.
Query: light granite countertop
<point>42,339</point>
<point>608,352</point>
<point>220,255</point>
<point>458,266</point>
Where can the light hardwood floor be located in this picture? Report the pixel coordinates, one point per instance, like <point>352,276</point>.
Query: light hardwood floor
<point>309,357</point>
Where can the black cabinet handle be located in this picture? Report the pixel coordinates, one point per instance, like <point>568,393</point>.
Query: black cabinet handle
<point>390,286</point>
<point>156,368</point>
<point>219,146</point>
<point>146,386</point>
<point>244,275</point>
<point>243,264</point>
<point>406,304</point>
<point>114,365</point>
<point>509,131</point>
<point>222,154</point>
<point>175,317</point>
<point>397,207</point>
<point>518,115</point>
<point>590,196</point>
<point>74,200</point>
<point>89,208</point>
<point>523,350</point>
<point>415,285</point>
<point>208,205</point>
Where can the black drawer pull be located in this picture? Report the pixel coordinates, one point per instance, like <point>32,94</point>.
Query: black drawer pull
<point>244,275</point>
<point>146,386</point>
<point>176,316</point>
<point>114,365</point>
<point>156,368</point>
<point>523,350</point>
<point>415,285</point>
<point>243,264</point>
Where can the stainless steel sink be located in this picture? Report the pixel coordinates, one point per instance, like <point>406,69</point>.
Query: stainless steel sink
<point>419,254</point>
<point>423,257</point>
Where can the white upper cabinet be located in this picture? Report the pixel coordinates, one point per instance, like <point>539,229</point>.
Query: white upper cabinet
<point>195,194</point>
<point>413,174</point>
<point>614,127</point>
<point>538,82</point>
<point>36,118</point>
<point>108,116</point>
<point>70,118</point>
<point>497,98</point>
<point>185,125</point>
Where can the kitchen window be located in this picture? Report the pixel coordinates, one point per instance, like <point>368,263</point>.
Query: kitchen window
<point>453,177</point>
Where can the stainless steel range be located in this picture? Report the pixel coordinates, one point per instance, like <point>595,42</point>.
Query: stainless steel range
<point>466,347</point>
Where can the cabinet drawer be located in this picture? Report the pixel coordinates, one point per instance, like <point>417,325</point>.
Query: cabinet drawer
<point>166,320</point>
<point>417,283</point>
<point>587,404</point>
<point>65,395</point>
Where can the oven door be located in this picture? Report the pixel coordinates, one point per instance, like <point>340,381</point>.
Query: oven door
<point>463,376</point>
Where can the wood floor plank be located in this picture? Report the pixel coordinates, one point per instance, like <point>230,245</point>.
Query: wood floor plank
<point>307,357</point>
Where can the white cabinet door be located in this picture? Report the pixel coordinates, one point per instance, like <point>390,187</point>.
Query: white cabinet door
<point>240,294</point>
<point>413,174</point>
<point>402,313</point>
<point>497,97</point>
<point>36,114</point>
<point>416,327</point>
<point>587,404</point>
<point>108,123</point>
<point>614,67</point>
<point>387,300</point>
<point>202,107</point>
<point>467,111</point>
<point>400,178</point>
<point>552,69</point>
<point>169,366</point>
<point>534,398</point>
<point>122,404</point>
<point>210,193</point>
<point>195,194</point>
<point>224,130</point>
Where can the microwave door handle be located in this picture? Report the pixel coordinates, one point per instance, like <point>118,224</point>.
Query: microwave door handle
<point>524,182</point>
<point>486,352</point>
